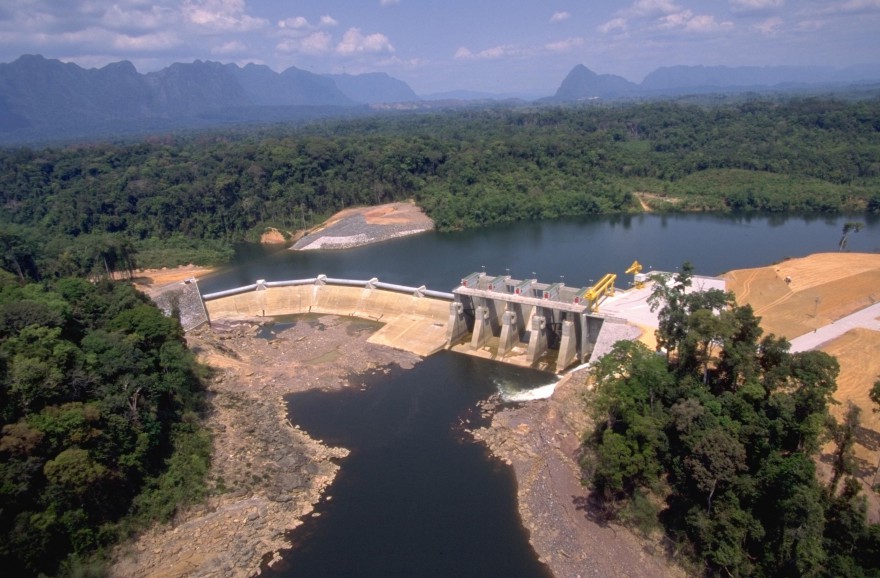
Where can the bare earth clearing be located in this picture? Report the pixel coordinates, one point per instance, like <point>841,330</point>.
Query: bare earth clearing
<point>823,289</point>
<point>364,225</point>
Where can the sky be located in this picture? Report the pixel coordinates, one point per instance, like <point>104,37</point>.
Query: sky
<point>513,46</point>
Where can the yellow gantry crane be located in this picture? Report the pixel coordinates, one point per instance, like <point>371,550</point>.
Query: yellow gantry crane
<point>634,270</point>
<point>600,290</point>
<point>605,287</point>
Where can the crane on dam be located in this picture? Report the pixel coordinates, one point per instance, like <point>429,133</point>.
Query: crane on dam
<point>635,269</point>
<point>604,288</point>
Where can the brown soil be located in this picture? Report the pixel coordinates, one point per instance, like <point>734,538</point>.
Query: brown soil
<point>645,200</point>
<point>824,288</point>
<point>149,280</point>
<point>390,214</point>
<point>272,236</point>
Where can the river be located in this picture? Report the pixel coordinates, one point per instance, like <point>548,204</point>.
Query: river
<point>416,497</point>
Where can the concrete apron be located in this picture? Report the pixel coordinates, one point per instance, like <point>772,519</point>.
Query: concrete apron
<point>410,323</point>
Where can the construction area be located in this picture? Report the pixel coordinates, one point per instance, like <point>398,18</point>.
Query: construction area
<point>830,302</point>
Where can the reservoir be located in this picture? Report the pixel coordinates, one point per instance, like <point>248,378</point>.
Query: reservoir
<point>417,497</point>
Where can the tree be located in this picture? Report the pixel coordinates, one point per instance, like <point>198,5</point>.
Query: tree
<point>850,227</point>
<point>843,461</point>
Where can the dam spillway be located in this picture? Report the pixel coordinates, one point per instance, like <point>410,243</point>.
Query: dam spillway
<point>521,322</point>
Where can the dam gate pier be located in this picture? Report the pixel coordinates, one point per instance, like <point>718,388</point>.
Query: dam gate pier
<point>525,322</point>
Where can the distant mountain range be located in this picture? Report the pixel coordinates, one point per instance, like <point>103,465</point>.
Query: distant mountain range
<point>584,84</point>
<point>45,99</point>
<point>48,100</point>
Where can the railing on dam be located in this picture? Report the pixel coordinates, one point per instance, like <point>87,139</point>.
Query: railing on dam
<point>373,283</point>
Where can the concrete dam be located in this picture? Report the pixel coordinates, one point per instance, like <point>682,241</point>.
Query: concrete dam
<point>523,322</point>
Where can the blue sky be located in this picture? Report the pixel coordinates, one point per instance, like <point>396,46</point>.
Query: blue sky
<point>438,45</point>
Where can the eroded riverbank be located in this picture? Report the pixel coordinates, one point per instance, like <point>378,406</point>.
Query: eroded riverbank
<point>270,473</point>
<point>266,473</point>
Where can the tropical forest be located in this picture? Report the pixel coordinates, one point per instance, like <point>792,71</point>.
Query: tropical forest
<point>711,440</point>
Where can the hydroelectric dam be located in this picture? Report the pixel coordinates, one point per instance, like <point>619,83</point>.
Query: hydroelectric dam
<point>547,326</point>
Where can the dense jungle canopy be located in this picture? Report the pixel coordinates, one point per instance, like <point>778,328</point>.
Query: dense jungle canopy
<point>165,200</point>
<point>716,443</point>
<point>99,421</point>
<point>100,400</point>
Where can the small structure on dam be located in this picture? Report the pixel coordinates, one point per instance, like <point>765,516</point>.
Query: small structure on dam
<point>523,321</point>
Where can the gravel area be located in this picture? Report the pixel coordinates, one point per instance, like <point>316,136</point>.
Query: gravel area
<point>357,227</point>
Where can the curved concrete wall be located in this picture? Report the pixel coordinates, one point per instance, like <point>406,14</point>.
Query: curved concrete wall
<point>416,324</point>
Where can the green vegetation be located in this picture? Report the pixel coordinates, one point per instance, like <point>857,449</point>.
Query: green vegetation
<point>87,209</point>
<point>99,425</point>
<point>716,443</point>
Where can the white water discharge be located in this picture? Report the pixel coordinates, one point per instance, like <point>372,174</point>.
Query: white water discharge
<point>509,392</point>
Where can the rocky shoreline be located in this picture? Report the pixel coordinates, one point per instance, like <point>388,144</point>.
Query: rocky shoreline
<point>267,474</point>
<point>540,440</point>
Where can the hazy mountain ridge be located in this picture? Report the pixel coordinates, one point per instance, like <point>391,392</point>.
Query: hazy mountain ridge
<point>47,100</point>
<point>584,84</point>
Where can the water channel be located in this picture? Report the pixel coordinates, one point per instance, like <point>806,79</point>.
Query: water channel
<point>416,497</point>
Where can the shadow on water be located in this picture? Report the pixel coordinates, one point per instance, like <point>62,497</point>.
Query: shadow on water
<point>416,497</point>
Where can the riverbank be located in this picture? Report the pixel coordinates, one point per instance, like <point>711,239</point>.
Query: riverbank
<point>266,474</point>
<point>540,440</point>
<point>366,225</point>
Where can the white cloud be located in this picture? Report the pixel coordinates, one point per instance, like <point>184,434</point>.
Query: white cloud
<point>328,20</point>
<point>564,45</point>
<point>295,23</point>
<point>643,8</point>
<point>755,5</point>
<point>145,42</point>
<point>663,15</point>
<point>221,16</point>
<point>138,17</point>
<point>811,25</point>
<point>388,2</point>
<point>231,47</point>
<point>768,27</point>
<point>354,42</point>
<point>706,23</point>
<point>317,43</point>
<point>852,7</point>
<point>614,25</point>
<point>559,17</point>
<point>493,53</point>
<point>463,54</point>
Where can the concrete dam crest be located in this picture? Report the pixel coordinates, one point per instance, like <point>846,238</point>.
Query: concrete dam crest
<point>522,322</point>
